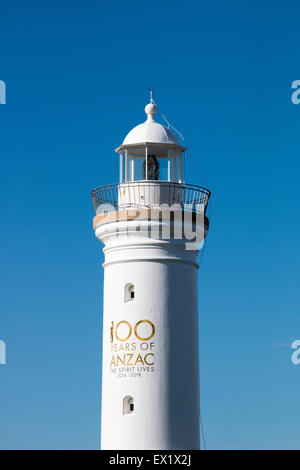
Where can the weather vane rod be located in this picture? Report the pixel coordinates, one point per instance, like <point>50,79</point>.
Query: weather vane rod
<point>150,88</point>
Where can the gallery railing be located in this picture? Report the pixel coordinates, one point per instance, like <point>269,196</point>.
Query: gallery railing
<point>143,194</point>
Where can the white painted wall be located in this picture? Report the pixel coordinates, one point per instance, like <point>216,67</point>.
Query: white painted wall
<point>149,193</point>
<point>166,401</point>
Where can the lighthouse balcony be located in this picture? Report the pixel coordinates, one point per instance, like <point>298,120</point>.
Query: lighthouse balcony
<point>151,195</point>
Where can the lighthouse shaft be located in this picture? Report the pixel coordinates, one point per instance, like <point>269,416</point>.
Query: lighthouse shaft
<point>150,343</point>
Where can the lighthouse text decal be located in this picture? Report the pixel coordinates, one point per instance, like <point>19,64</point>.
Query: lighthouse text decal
<point>132,348</point>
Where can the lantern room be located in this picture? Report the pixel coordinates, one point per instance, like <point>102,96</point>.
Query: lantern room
<point>151,152</point>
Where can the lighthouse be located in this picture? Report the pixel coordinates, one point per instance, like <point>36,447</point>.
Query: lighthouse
<point>152,224</point>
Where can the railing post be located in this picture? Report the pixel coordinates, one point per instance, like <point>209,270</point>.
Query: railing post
<point>132,169</point>
<point>146,162</point>
<point>174,169</point>
<point>180,168</point>
<point>126,166</point>
<point>121,167</point>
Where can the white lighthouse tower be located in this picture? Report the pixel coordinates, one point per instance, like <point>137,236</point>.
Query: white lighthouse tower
<point>150,379</point>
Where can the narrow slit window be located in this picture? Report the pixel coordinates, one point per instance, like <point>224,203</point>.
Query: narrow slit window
<point>129,292</point>
<point>128,405</point>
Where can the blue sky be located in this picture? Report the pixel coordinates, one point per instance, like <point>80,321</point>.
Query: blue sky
<point>77,76</point>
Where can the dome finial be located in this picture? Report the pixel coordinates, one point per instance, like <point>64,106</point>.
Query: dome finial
<point>150,109</point>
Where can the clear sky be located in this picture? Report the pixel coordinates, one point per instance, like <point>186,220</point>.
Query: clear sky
<point>77,75</point>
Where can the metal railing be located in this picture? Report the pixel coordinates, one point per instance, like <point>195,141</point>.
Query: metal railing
<point>146,194</point>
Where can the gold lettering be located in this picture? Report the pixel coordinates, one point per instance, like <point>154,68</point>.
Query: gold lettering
<point>139,359</point>
<point>130,357</point>
<point>116,330</point>
<point>136,327</point>
<point>145,359</point>
<point>112,362</point>
<point>119,359</point>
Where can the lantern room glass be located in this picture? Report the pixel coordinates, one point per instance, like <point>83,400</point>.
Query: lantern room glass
<point>151,163</point>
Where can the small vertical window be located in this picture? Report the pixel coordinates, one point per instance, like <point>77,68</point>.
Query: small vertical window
<point>129,292</point>
<point>128,405</point>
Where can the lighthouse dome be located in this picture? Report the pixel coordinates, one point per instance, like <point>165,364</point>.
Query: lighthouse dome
<point>150,131</point>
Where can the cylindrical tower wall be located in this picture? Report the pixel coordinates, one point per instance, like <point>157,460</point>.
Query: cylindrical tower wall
<point>150,386</point>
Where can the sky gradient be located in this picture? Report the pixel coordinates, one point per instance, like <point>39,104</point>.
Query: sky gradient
<point>76,76</point>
